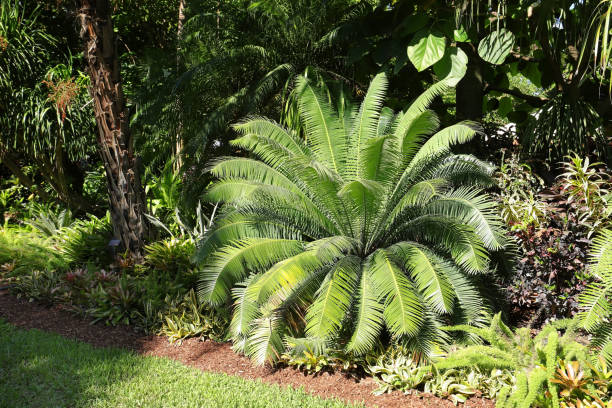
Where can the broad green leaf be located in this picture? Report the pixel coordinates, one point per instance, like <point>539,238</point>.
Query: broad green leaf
<point>495,47</point>
<point>460,35</point>
<point>452,67</point>
<point>426,49</point>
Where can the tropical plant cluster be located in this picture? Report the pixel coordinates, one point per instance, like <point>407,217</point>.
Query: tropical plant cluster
<point>418,192</point>
<point>56,260</point>
<point>554,227</point>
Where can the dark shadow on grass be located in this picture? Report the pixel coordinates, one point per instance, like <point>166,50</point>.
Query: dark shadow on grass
<point>39,369</point>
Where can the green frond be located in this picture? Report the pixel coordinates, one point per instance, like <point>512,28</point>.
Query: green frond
<point>595,304</point>
<point>595,300</point>
<point>287,273</point>
<point>324,130</point>
<point>333,299</point>
<point>416,132</point>
<point>332,247</point>
<point>265,341</point>
<point>428,272</point>
<point>422,102</point>
<point>246,309</point>
<point>252,170</point>
<point>365,125</point>
<point>368,315</point>
<point>233,263</point>
<point>442,140</point>
<point>268,150</point>
<point>601,255</point>
<point>274,131</point>
<point>464,170</point>
<point>420,105</point>
<point>403,312</point>
<point>602,340</point>
<point>237,226</point>
<point>232,190</point>
<point>417,195</point>
<point>474,209</point>
<point>465,247</point>
<point>469,298</point>
<point>385,122</point>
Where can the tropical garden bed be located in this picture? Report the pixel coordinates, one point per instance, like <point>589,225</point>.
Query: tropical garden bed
<point>410,199</point>
<point>205,355</point>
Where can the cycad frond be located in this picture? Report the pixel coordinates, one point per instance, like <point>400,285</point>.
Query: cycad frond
<point>324,130</point>
<point>428,271</point>
<point>333,299</point>
<point>372,223</point>
<point>403,312</point>
<point>366,123</point>
<point>368,315</point>
<point>233,263</point>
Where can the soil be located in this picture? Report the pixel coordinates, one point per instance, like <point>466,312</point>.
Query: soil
<point>210,356</point>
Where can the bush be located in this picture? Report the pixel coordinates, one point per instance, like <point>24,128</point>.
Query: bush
<point>366,223</point>
<point>170,256</point>
<point>86,241</point>
<point>553,228</point>
<point>183,318</point>
<point>23,251</point>
<point>539,364</point>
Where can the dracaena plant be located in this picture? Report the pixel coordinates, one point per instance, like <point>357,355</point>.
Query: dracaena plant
<point>364,221</point>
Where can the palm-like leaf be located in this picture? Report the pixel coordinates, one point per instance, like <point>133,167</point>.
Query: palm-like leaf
<point>364,221</point>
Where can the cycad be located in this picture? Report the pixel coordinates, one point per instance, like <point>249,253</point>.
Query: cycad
<point>596,299</point>
<point>365,221</point>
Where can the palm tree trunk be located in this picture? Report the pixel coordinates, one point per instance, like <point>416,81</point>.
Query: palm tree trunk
<point>179,127</point>
<point>126,196</point>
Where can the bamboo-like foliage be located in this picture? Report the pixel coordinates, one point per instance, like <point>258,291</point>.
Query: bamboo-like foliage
<point>365,222</point>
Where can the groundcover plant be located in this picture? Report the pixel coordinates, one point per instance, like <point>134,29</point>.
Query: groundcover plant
<point>363,221</point>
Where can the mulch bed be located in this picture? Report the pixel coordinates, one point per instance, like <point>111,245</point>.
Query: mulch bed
<point>210,356</point>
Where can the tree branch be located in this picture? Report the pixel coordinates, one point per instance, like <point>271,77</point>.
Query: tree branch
<point>533,100</point>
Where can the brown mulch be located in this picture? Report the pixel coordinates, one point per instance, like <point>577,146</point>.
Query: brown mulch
<point>210,356</point>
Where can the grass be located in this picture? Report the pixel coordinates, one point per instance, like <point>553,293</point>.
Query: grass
<point>39,369</point>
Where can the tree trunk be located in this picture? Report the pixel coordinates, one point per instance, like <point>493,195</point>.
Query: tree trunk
<point>470,90</point>
<point>179,105</point>
<point>114,144</point>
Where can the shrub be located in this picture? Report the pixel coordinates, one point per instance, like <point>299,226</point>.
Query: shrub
<point>553,242</point>
<point>586,191</point>
<point>48,221</point>
<point>368,221</point>
<point>170,256</point>
<point>184,317</point>
<point>86,241</point>
<point>23,251</point>
<point>539,363</point>
<point>397,369</point>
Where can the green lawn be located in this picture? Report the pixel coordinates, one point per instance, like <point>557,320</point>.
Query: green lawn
<point>39,369</point>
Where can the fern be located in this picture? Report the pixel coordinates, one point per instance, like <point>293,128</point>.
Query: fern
<point>596,300</point>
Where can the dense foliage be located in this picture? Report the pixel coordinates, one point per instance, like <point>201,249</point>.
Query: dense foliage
<point>370,215</point>
<point>364,228</point>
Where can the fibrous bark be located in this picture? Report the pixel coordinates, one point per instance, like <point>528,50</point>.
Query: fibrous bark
<point>126,196</point>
